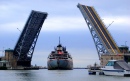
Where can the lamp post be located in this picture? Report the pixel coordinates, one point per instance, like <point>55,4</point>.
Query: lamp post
<point>18,29</point>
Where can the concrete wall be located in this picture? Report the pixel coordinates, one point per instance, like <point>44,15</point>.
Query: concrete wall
<point>105,58</point>
<point>9,57</point>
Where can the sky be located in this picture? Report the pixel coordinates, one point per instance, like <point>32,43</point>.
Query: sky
<point>65,20</point>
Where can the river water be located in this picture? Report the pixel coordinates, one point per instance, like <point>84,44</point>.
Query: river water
<point>55,75</point>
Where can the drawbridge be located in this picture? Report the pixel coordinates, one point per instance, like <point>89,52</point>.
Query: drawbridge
<point>25,45</point>
<point>103,40</point>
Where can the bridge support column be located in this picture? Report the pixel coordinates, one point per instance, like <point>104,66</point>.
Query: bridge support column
<point>24,63</point>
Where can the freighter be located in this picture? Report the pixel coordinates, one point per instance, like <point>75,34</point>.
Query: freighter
<point>60,59</point>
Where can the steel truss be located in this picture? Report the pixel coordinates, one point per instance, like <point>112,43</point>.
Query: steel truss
<point>24,48</point>
<point>101,49</point>
<point>98,43</point>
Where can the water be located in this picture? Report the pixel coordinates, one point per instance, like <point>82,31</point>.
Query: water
<point>55,75</point>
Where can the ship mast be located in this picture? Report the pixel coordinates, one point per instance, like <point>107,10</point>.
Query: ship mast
<point>59,40</point>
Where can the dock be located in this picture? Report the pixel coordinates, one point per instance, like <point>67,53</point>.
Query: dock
<point>94,72</point>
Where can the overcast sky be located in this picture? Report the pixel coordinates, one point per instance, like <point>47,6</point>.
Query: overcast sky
<point>65,20</point>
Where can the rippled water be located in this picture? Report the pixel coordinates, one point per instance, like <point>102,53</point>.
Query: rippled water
<point>55,75</point>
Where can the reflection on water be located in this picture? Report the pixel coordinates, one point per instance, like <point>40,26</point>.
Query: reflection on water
<point>25,75</point>
<point>55,75</point>
<point>18,75</point>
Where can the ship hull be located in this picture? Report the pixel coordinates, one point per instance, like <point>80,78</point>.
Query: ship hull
<point>62,64</point>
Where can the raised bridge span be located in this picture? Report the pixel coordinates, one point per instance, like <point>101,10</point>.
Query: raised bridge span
<point>25,45</point>
<point>103,40</point>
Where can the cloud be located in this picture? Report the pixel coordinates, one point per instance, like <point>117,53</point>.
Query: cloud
<point>121,23</point>
<point>118,20</point>
<point>9,9</point>
<point>11,27</point>
<point>68,24</point>
<point>64,24</point>
<point>50,24</point>
<point>55,21</point>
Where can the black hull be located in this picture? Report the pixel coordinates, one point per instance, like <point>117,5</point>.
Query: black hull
<point>61,64</point>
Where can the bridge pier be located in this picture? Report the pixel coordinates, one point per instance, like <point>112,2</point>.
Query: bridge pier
<point>24,63</point>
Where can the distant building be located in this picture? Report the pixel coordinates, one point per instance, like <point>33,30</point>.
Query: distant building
<point>124,49</point>
<point>125,55</point>
<point>4,63</point>
<point>10,58</point>
<point>104,58</point>
<point>2,58</point>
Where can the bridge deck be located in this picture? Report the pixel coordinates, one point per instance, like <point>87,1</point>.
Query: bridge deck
<point>100,28</point>
<point>25,45</point>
